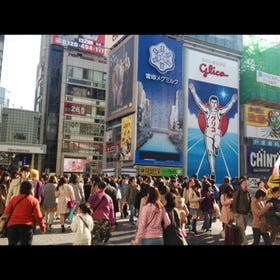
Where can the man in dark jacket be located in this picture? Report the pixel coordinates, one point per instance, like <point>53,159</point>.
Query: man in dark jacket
<point>273,214</point>
<point>241,207</point>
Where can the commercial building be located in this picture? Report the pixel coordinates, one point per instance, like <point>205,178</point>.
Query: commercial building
<point>70,96</point>
<point>153,124</point>
<point>19,138</point>
<point>259,107</point>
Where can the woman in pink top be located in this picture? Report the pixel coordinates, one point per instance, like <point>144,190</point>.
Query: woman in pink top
<point>152,220</point>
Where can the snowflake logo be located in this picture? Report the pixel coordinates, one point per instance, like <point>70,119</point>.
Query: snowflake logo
<point>162,58</point>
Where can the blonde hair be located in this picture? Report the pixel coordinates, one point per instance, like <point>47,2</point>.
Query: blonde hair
<point>34,174</point>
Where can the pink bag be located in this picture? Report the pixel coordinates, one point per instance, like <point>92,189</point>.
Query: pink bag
<point>71,204</point>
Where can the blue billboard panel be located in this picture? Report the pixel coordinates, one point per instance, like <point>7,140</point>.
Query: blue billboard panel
<point>261,159</point>
<point>160,114</point>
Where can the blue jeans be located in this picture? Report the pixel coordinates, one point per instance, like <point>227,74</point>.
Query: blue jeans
<point>152,241</point>
<point>207,220</point>
<point>132,213</point>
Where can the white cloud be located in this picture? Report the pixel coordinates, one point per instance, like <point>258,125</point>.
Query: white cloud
<point>19,66</point>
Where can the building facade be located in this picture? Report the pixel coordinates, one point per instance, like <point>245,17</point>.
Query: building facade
<point>19,143</point>
<point>149,106</point>
<point>70,97</point>
<point>2,41</point>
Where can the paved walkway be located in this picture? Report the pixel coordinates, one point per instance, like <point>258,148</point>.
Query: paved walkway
<point>125,233</point>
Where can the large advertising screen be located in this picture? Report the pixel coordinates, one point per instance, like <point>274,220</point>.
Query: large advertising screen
<point>211,84</point>
<point>74,165</point>
<point>120,99</point>
<point>160,112</point>
<point>86,43</point>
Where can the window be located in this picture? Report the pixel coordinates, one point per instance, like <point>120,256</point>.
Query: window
<point>97,76</point>
<point>78,73</point>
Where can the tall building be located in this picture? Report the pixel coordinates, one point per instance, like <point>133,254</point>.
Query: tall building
<point>2,40</point>
<point>70,97</point>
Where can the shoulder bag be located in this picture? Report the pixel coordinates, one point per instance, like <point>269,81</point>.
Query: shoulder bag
<point>4,219</point>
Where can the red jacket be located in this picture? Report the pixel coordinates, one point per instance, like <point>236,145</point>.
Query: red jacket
<point>26,211</point>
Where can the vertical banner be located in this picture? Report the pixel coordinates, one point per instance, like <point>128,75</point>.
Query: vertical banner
<point>120,100</point>
<point>126,138</point>
<point>160,113</point>
<point>212,115</point>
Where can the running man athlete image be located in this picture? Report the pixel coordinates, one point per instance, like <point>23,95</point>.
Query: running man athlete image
<point>213,115</point>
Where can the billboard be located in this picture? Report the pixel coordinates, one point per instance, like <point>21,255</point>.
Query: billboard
<point>119,99</point>
<point>262,122</point>
<point>113,39</point>
<point>86,43</point>
<point>211,84</point>
<point>127,136</point>
<point>74,165</point>
<point>74,108</point>
<point>160,112</point>
<point>261,159</point>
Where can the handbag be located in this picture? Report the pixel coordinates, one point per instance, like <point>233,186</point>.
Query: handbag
<point>3,222</point>
<point>4,219</point>
<point>71,204</point>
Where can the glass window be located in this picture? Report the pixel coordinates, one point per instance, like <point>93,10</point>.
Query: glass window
<point>86,74</point>
<point>70,71</point>
<point>98,76</point>
<point>78,73</point>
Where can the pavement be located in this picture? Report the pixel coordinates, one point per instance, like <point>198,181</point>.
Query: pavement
<point>125,232</point>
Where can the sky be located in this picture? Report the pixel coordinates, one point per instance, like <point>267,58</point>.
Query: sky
<point>20,60</point>
<point>19,66</point>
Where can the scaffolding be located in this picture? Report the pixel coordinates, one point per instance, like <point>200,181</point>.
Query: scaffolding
<point>260,57</point>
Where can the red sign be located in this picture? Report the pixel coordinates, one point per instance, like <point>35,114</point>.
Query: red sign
<point>87,43</point>
<point>74,109</point>
<point>211,70</point>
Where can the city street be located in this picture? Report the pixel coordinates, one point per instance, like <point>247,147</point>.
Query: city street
<point>125,232</point>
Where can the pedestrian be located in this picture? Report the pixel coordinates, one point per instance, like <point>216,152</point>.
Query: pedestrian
<point>25,211</point>
<point>82,225</point>
<point>103,214</point>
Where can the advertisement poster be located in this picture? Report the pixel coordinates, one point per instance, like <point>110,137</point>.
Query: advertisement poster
<point>260,159</point>
<point>262,122</point>
<point>86,43</point>
<point>74,165</point>
<point>127,137</point>
<point>160,111</point>
<point>212,115</point>
<point>120,87</point>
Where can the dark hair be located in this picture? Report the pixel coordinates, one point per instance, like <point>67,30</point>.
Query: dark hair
<point>26,187</point>
<point>85,208</point>
<point>275,190</point>
<point>260,193</point>
<point>101,184</point>
<point>170,200</point>
<point>25,168</point>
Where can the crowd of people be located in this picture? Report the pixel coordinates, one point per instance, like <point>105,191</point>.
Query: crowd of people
<point>161,210</point>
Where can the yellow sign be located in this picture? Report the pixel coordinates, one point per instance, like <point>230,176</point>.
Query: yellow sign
<point>149,171</point>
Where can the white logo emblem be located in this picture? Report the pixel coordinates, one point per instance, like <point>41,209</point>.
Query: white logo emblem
<point>162,58</point>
